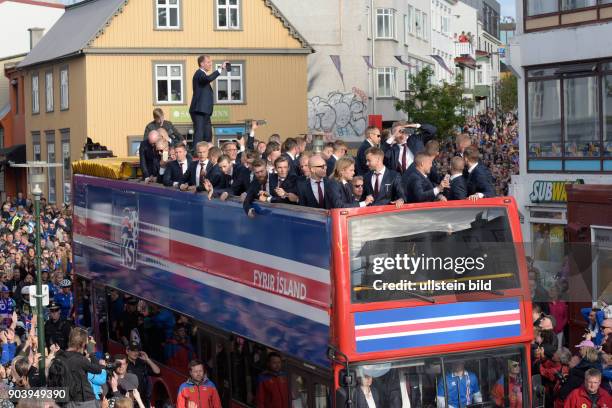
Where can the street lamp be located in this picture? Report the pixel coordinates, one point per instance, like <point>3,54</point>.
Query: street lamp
<point>36,179</point>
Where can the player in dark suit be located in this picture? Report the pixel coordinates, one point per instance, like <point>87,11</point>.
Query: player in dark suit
<point>199,168</point>
<point>283,184</point>
<point>177,171</point>
<point>149,158</point>
<point>220,178</point>
<point>258,189</point>
<point>383,184</point>
<point>458,183</point>
<point>340,187</point>
<point>480,180</point>
<point>372,139</point>
<point>290,152</point>
<point>412,137</point>
<point>306,188</point>
<point>202,101</point>
<point>418,186</point>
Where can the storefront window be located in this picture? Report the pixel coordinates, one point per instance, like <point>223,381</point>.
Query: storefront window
<point>544,118</point>
<point>581,117</point>
<point>607,109</point>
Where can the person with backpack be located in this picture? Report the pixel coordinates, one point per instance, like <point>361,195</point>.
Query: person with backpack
<point>70,370</point>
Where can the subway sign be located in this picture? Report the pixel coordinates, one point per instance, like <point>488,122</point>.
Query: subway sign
<point>548,191</point>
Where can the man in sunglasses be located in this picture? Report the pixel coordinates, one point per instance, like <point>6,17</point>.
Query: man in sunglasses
<point>514,390</point>
<point>372,139</point>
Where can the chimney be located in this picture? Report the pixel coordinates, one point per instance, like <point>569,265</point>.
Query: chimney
<point>35,36</point>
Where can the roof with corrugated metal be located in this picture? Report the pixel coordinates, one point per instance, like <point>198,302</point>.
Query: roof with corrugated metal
<point>85,21</point>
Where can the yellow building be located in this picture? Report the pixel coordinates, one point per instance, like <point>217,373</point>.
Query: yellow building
<point>106,64</point>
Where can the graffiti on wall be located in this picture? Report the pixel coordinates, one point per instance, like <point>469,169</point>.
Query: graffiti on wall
<point>343,114</point>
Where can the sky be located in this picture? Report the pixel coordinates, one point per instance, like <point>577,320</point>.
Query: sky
<point>507,8</point>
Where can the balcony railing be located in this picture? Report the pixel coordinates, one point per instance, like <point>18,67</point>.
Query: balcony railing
<point>464,49</point>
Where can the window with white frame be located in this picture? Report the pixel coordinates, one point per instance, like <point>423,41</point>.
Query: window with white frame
<point>168,83</point>
<point>411,19</point>
<point>385,23</point>
<point>425,27</point>
<point>228,14</point>
<point>51,172</point>
<point>49,91</point>
<point>167,14</point>
<point>406,28</point>
<point>387,86</point>
<point>35,94</point>
<point>419,23</point>
<point>230,85</point>
<point>64,88</point>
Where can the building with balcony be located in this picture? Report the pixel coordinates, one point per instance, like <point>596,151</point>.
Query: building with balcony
<point>102,80</point>
<point>562,54</point>
<point>442,38</point>
<point>364,55</point>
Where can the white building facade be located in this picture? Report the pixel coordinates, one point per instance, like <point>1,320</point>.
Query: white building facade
<point>340,105</point>
<point>565,109</point>
<point>442,42</point>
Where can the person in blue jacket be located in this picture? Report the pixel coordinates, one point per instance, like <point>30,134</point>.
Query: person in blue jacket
<point>462,386</point>
<point>594,318</point>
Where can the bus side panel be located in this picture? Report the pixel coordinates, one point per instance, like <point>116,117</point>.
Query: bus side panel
<point>208,260</point>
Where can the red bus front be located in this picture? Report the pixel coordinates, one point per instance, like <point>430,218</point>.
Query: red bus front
<point>431,306</point>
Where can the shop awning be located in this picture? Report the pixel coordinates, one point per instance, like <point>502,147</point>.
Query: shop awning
<point>15,154</point>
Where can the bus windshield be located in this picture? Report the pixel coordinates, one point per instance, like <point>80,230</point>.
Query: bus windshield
<point>487,378</point>
<point>432,252</point>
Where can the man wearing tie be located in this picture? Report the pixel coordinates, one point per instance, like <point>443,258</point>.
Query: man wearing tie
<point>380,182</point>
<point>480,180</point>
<point>283,183</point>
<point>177,172</point>
<point>417,185</point>
<point>401,147</point>
<point>259,189</point>
<point>199,169</point>
<point>312,191</point>
<point>202,101</point>
<point>372,139</point>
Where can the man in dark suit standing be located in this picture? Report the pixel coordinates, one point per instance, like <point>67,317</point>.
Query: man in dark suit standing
<point>202,100</point>
<point>149,158</point>
<point>480,180</point>
<point>402,146</point>
<point>290,152</point>
<point>313,192</point>
<point>283,184</point>
<point>458,183</point>
<point>372,139</point>
<point>199,169</point>
<point>383,184</point>
<point>259,189</point>
<point>418,186</point>
<point>177,172</point>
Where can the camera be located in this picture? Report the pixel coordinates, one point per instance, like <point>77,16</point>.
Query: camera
<point>228,67</point>
<point>109,365</point>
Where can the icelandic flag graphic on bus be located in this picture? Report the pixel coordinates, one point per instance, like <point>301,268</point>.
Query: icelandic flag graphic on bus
<point>435,325</point>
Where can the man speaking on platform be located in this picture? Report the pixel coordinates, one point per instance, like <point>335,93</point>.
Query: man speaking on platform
<point>202,100</point>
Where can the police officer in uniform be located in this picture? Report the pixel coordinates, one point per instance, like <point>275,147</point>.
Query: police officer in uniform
<point>57,328</point>
<point>64,299</point>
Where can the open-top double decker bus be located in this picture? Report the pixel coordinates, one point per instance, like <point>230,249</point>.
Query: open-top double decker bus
<point>397,297</point>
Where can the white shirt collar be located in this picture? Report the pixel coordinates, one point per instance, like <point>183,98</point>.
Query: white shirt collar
<point>335,157</point>
<point>370,142</point>
<point>472,167</point>
<point>381,172</point>
<point>292,156</point>
<point>455,176</point>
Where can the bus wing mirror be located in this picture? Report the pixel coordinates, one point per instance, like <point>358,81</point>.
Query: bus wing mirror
<point>348,378</point>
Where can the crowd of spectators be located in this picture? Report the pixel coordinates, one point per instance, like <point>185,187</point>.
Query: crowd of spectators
<point>573,375</point>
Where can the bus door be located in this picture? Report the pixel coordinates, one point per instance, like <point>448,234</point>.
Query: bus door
<point>307,389</point>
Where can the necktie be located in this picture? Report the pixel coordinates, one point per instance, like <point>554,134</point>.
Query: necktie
<point>404,160</point>
<point>320,192</point>
<point>280,183</point>
<point>182,167</point>
<point>376,184</point>
<point>202,173</point>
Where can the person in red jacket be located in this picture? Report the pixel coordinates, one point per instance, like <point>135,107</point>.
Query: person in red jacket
<point>272,389</point>
<point>591,394</point>
<point>198,391</point>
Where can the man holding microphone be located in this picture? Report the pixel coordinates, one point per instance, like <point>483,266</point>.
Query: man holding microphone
<point>202,100</point>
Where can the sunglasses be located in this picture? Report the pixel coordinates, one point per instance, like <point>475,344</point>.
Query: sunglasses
<point>319,167</point>
<point>358,186</point>
<point>514,365</point>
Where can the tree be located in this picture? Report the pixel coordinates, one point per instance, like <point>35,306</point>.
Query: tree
<point>508,93</point>
<point>440,105</point>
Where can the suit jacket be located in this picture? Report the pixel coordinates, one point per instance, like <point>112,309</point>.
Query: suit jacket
<point>149,159</point>
<point>415,143</point>
<point>331,163</point>
<point>203,99</point>
<point>419,188</point>
<point>220,181</point>
<point>307,197</point>
<point>480,180</point>
<point>293,164</point>
<point>360,399</point>
<point>193,168</point>
<point>390,188</point>
<point>173,173</point>
<point>252,194</point>
<point>242,180</point>
<point>458,189</point>
<point>361,168</point>
<point>289,185</point>
<point>341,195</point>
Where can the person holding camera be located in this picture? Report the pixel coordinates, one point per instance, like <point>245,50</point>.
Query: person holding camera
<point>139,364</point>
<point>70,369</point>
